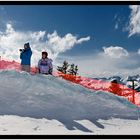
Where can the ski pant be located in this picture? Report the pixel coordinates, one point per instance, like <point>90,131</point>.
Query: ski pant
<point>25,68</point>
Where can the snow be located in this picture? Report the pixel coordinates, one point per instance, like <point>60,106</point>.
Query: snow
<point>40,104</point>
<point>24,125</point>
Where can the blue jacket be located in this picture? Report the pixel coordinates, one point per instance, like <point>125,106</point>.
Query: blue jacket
<point>25,56</point>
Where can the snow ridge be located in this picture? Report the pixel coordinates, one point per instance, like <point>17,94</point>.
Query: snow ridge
<point>41,96</point>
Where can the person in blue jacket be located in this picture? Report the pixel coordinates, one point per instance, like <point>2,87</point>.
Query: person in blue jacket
<point>25,56</point>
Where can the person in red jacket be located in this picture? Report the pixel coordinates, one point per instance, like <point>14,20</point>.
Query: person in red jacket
<point>115,88</point>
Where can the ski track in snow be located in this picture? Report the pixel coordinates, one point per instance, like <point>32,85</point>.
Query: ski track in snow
<point>66,107</point>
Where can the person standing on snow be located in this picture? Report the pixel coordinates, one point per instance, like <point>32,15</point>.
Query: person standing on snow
<point>115,87</point>
<point>45,64</point>
<point>25,56</point>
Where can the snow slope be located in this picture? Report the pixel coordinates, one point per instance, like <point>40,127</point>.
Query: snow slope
<point>104,84</point>
<point>41,97</point>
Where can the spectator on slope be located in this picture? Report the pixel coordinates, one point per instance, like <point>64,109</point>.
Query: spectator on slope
<point>25,56</point>
<point>45,64</point>
<point>115,88</point>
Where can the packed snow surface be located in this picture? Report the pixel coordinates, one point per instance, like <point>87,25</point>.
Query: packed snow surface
<point>52,105</point>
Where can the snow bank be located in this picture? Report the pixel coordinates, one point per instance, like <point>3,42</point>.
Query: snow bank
<point>40,96</point>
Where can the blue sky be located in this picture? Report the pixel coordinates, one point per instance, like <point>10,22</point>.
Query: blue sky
<point>106,25</point>
<point>97,21</point>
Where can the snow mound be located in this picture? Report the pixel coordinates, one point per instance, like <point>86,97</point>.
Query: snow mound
<point>40,96</point>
